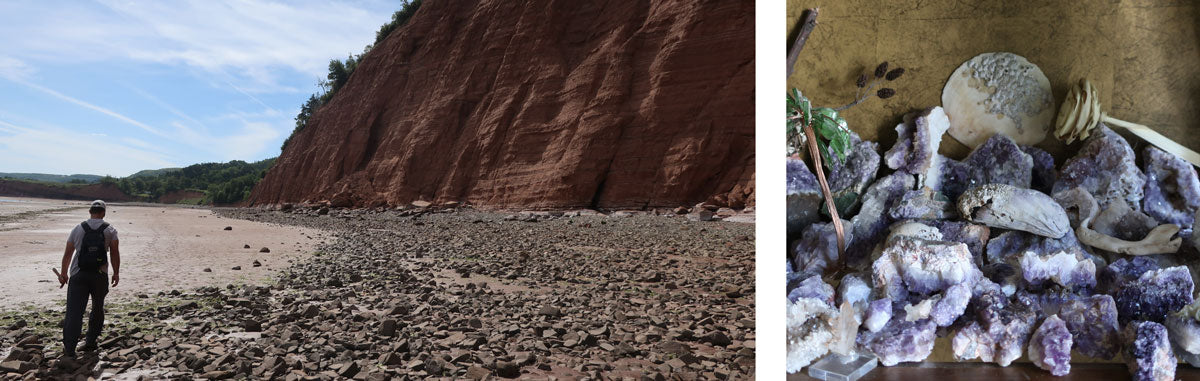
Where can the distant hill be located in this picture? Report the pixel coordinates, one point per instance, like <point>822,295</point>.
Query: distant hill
<point>206,183</point>
<point>153,172</point>
<point>88,179</point>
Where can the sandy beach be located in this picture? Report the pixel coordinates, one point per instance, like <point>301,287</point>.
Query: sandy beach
<point>163,248</point>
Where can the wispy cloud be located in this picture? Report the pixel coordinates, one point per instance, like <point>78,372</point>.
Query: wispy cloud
<point>50,149</point>
<point>248,40</point>
<point>12,68</point>
<point>91,106</point>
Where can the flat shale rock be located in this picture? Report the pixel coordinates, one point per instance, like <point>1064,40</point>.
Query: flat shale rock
<point>1172,192</point>
<point>1105,166</point>
<point>1147,352</point>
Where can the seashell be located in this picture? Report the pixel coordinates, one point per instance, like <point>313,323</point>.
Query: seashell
<point>1009,207</point>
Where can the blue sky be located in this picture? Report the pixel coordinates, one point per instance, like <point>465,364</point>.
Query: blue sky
<point>114,87</point>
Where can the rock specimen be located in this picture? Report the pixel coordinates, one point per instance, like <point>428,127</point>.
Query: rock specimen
<point>923,204</point>
<point>817,248</point>
<point>856,171</point>
<point>1050,346</point>
<point>1113,277</point>
<point>950,305</point>
<point>900,341</point>
<point>1013,244</point>
<point>879,312</point>
<point>1172,192</point>
<point>604,102</point>
<point>1044,173</point>
<point>813,288</point>
<point>1092,322</point>
<point>854,290</point>
<point>1009,207</point>
<point>998,93</point>
<point>1184,327</point>
<point>1147,351</point>
<point>999,331</point>
<point>1105,167</point>
<point>872,221</point>
<point>809,331</point>
<point>999,160</point>
<point>803,197</point>
<point>1067,269</point>
<point>1155,294</point>
<point>975,236</point>
<point>913,265</point>
<point>917,141</point>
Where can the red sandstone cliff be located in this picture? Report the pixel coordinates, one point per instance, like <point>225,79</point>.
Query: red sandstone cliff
<point>540,104</point>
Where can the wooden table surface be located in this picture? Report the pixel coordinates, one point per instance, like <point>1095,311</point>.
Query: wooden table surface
<point>1016,371</point>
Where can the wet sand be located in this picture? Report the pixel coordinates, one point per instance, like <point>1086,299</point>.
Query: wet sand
<point>163,248</point>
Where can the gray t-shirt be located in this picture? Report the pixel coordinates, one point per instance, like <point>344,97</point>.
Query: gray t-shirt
<point>76,236</point>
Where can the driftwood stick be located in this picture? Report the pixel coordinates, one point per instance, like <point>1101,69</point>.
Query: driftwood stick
<point>807,22</point>
<point>820,169</point>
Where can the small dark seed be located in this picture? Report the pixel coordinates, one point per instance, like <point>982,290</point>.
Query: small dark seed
<point>885,93</point>
<point>895,73</point>
<point>881,69</point>
<point>862,81</point>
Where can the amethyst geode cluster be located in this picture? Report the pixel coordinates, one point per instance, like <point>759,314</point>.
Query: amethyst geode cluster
<point>997,253</point>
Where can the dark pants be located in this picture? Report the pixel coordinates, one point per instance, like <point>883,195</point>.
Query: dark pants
<point>79,288</point>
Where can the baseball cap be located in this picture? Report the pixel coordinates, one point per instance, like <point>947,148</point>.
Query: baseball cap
<point>98,204</point>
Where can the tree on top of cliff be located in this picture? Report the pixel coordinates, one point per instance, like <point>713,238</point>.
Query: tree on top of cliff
<point>339,72</point>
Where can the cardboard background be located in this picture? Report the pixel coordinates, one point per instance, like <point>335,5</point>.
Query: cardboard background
<point>1143,57</point>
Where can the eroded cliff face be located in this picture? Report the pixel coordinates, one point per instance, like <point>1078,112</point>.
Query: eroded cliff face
<point>539,104</point>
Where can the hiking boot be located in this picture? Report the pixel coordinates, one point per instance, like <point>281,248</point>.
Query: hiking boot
<point>88,347</point>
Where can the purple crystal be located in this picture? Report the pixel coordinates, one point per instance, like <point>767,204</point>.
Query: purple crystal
<point>952,305</point>
<point>857,170</point>
<point>1044,173</point>
<point>1122,221</point>
<point>922,267</point>
<point>1172,188</point>
<point>1111,278</point>
<point>879,312</point>
<point>999,332</point>
<point>917,141</point>
<point>1105,168</point>
<point>1155,294</point>
<point>803,196</point>
<point>923,204</point>
<point>1148,351</point>
<point>813,288</point>
<point>1092,322</point>
<point>1074,271</point>
<point>1009,246</point>
<point>999,160</point>
<point>817,248</point>
<point>854,290</point>
<point>900,341</point>
<point>871,223</point>
<point>1050,346</point>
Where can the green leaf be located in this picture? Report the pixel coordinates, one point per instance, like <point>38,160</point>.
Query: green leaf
<point>825,112</point>
<point>844,203</point>
<point>825,127</point>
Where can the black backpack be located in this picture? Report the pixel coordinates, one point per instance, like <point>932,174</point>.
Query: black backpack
<point>93,254</point>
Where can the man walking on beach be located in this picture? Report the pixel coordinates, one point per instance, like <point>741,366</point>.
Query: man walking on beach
<point>87,258</point>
